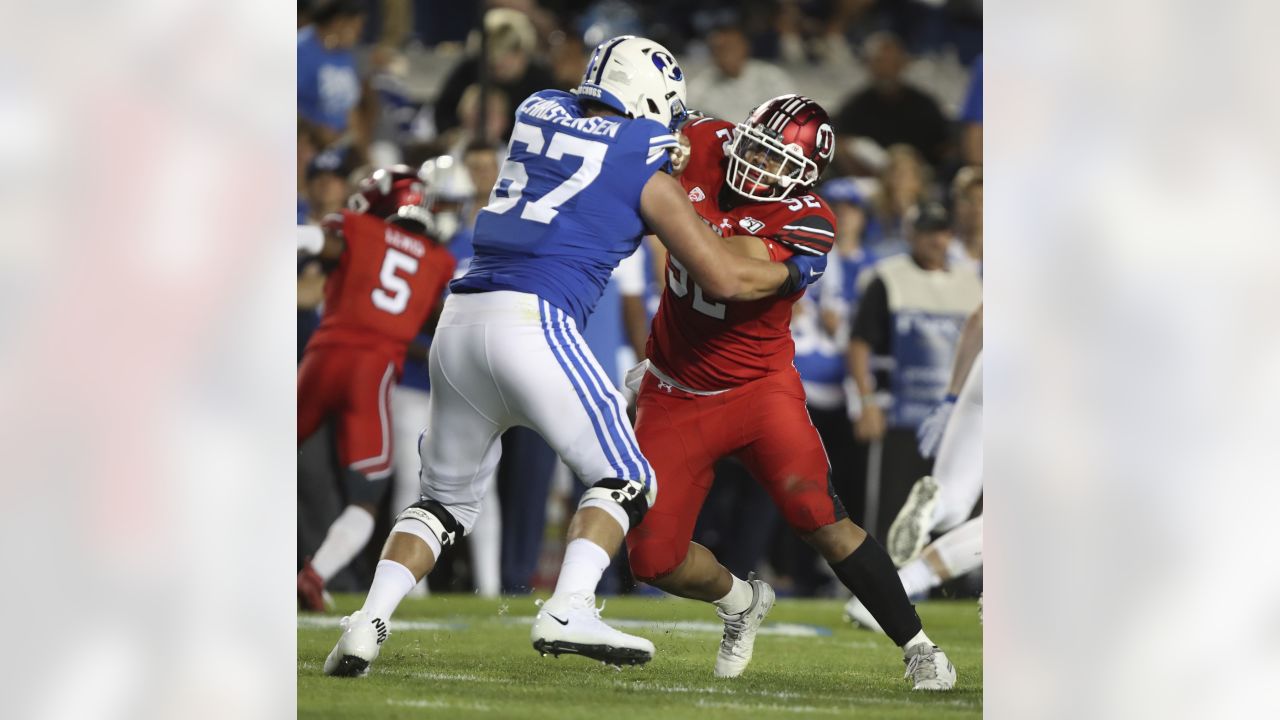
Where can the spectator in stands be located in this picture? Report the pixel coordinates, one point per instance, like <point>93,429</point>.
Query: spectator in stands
<point>327,181</point>
<point>568,59</point>
<point>738,83</point>
<point>903,341</point>
<point>966,201</point>
<point>495,124</point>
<point>904,182</point>
<point>510,65</point>
<point>891,110</point>
<point>328,84</point>
<point>483,160</point>
<point>307,149</point>
<point>971,118</point>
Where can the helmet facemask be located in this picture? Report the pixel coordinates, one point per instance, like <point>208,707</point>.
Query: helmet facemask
<point>762,168</point>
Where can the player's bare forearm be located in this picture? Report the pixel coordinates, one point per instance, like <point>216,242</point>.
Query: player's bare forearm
<point>666,210</point>
<point>966,351</point>
<point>756,278</point>
<point>748,246</point>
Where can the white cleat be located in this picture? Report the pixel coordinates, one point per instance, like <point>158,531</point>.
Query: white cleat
<point>739,638</point>
<point>857,613</point>
<point>575,628</point>
<point>928,668</point>
<point>909,532</point>
<point>358,647</point>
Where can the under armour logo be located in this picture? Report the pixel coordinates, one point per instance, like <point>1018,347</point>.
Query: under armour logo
<point>664,386</point>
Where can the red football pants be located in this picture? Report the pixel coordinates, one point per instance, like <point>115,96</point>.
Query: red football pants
<point>355,386</point>
<point>764,424</point>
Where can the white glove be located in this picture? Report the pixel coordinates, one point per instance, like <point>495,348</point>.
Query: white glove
<point>930,431</point>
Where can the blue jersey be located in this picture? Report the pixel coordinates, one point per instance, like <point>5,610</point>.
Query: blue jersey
<point>566,208</point>
<point>328,86</point>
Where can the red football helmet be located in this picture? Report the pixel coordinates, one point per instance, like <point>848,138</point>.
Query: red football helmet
<point>784,146</point>
<point>396,194</point>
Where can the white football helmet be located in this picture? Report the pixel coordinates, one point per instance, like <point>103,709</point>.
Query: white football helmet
<point>448,195</point>
<point>637,77</point>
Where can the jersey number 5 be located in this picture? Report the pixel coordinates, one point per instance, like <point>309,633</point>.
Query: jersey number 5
<point>514,176</point>
<point>393,296</point>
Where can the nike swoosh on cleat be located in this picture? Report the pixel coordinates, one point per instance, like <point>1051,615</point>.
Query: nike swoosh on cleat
<point>553,617</point>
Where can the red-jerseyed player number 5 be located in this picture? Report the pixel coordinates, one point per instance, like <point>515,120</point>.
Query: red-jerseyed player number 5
<point>393,296</point>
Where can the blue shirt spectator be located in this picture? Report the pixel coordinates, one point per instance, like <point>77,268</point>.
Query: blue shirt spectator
<point>328,84</point>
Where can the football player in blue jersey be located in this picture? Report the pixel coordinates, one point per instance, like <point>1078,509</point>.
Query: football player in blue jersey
<point>585,177</point>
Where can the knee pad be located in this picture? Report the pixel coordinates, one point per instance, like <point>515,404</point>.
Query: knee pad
<point>629,494</point>
<point>437,518</point>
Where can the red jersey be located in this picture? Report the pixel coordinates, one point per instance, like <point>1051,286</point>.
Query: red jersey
<point>708,345</point>
<point>384,288</point>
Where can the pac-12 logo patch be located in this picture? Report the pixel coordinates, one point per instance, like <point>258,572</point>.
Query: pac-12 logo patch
<point>751,224</point>
<point>696,195</point>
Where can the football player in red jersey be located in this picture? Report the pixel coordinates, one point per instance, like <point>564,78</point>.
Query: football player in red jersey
<point>387,277</point>
<point>720,382</point>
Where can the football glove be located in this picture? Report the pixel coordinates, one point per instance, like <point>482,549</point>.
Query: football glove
<point>803,270</point>
<point>930,431</point>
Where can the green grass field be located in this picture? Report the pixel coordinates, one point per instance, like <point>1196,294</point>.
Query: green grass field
<point>459,656</point>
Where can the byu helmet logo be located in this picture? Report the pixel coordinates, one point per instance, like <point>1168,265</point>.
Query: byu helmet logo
<point>663,62</point>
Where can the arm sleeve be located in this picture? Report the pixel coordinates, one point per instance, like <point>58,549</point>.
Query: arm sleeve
<point>811,234</point>
<point>871,322</point>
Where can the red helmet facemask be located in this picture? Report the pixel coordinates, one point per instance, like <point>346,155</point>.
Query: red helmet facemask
<point>396,194</point>
<point>782,148</point>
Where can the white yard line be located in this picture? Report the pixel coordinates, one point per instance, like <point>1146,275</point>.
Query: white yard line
<point>439,704</point>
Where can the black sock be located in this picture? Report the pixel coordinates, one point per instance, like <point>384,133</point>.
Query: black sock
<point>870,574</point>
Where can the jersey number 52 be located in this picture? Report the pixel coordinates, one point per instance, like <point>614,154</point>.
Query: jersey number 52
<point>514,177</point>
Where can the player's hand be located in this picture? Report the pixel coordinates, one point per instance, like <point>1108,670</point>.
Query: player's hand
<point>680,155</point>
<point>870,425</point>
<point>930,431</point>
<point>803,270</point>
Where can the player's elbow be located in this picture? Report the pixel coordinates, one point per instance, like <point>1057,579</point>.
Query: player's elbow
<point>726,284</point>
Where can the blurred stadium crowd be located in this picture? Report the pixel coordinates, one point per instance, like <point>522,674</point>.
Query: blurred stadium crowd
<point>405,81</point>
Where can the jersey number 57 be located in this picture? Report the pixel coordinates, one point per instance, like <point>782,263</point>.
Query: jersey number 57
<point>509,189</point>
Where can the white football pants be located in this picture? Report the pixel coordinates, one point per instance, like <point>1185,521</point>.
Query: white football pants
<point>958,469</point>
<point>501,359</point>
<point>411,411</point>
<point>960,549</point>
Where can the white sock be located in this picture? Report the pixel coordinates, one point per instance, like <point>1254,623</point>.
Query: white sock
<point>584,563</point>
<point>391,582</point>
<point>918,577</point>
<point>347,536</point>
<point>738,599</point>
<point>916,639</point>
